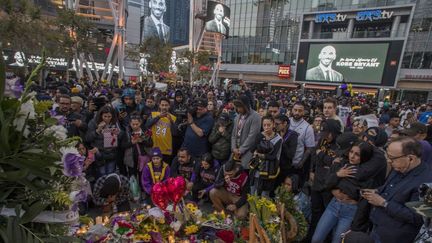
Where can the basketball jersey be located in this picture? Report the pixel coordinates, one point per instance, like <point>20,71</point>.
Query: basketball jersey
<point>161,133</point>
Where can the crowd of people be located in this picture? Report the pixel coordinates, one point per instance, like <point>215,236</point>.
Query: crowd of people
<point>351,162</point>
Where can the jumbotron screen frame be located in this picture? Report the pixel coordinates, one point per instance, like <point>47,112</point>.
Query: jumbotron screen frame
<point>391,66</point>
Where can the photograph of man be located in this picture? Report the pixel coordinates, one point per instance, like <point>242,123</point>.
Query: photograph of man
<point>216,24</point>
<point>19,59</point>
<point>324,71</point>
<point>153,24</point>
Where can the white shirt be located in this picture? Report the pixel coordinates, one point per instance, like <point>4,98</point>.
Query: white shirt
<point>219,25</point>
<point>157,22</point>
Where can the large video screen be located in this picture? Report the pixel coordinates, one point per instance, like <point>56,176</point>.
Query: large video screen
<point>167,20</point>
<point>368,63</point>
<point>218,18</point>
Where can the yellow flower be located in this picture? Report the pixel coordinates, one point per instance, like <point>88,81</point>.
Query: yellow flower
<point>191,229</point>
<point>142,237</point>
<point>192,207</point>
<point>161,220</point>
<point>140,217</point>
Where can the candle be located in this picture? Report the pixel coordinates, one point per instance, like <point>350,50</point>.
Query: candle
<point>171,239</point>
<point>98,220</point>
<point>105,220</point>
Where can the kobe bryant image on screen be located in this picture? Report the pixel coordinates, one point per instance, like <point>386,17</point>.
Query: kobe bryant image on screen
<point>154,25</point>
<point>217,23</point>
<point>324,71</point>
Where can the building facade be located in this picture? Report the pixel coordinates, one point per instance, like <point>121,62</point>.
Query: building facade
<point>268,32</point>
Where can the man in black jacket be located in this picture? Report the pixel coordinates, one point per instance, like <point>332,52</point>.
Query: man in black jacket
<point>231,189</point>
<point>184,165</point>
<point>289,146</point>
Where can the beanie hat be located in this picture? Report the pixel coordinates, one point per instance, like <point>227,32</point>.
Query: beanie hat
<point>156,152</point>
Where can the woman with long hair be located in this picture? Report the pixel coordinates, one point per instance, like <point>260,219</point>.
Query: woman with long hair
<point>345,189</point>
<point>104,133</point>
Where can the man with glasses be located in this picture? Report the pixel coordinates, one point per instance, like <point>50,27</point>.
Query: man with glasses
<point>392,220</point>
<point>73,122</point>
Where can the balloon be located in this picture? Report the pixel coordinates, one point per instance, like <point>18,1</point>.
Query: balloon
<point>343,87</point>
<point>159,195</point>
<point>347,93</point>
<point>176,188</point>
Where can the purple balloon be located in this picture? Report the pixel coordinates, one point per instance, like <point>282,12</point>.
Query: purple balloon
<point>73,165</point>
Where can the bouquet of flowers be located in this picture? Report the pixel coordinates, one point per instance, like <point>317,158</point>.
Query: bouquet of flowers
<point>38,168</point>
<point>267,214</point>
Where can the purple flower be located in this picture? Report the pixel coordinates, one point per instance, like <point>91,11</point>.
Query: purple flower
<point>73,164</point>
<point>13,88</point>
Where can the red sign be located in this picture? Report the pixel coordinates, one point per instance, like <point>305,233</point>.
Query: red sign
<point>284,71</point>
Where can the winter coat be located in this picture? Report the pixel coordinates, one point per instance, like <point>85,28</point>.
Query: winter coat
<point>221,142</point>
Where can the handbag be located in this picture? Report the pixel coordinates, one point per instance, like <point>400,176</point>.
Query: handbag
<point>142,159</point>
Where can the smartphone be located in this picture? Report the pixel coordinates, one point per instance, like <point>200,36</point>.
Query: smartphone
<point>91,156</point>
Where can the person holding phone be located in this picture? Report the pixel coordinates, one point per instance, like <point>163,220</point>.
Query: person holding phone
<point>104,133</point>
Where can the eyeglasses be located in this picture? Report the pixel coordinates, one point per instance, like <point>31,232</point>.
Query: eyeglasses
<point>392,159</point>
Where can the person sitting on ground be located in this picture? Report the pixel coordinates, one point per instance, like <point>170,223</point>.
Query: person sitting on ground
<point>111,192</point>
<point>155,171</point>
<point>230,190</point>
<point>204,177</point>
<point>292,184</point>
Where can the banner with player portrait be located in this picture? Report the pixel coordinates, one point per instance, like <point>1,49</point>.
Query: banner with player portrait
<point>218,18</point>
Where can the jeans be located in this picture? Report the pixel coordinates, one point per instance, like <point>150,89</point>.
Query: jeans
<point>106,169</point>
<point>337,217</point>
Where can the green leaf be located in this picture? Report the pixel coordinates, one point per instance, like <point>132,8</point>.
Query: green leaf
<point>51,121</point>
<point>31,213</point>
<point>14,175</point>
<point>2,75</point>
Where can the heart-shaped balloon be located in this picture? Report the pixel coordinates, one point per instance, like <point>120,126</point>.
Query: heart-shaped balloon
<point>176,188</point>
<point>159,195</point>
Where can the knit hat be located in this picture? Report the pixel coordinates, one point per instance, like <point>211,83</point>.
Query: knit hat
<point>377,136</point>
<point>128,93</point>
<point>156,152</point>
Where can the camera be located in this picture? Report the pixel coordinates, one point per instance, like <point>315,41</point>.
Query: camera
<point>192,109</point>
<point>425,192</point>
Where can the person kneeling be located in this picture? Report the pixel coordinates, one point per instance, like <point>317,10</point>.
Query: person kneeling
<point>155,171</point>
<point>111,192</point>
<point>231,189</point>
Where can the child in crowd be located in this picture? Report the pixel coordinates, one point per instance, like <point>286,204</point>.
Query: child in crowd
<point>204,177</point>
<point>155,171</point>
<point>292,184</point>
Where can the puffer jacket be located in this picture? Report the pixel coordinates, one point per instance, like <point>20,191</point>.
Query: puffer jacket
<point>221,143</point>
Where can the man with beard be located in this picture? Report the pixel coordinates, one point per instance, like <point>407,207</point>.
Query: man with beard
<point>149,107</point>
<point>184,165</point>
<point>305,141</point>
<point>74,122</point>
<point>163,128</point>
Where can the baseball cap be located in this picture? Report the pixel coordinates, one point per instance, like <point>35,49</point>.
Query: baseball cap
<point>345,141</point>
<point>156,152</point>
<point>201,103</point>
<point>415,128</point>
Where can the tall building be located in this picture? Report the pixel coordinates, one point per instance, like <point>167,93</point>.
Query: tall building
<point>265,34</point>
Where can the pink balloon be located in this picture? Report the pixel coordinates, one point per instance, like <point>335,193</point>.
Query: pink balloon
<point>159,195</point>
